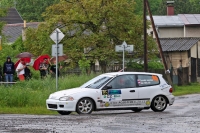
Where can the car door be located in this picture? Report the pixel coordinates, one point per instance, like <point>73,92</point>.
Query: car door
<point>121,92</point>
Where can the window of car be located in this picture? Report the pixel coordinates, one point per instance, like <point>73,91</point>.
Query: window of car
<point>97,82</point>
<point>123,81</point>
<point>147,80</point>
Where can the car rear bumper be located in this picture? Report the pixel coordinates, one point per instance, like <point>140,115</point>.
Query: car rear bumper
<point>57,105</point>
<point>171,99</point>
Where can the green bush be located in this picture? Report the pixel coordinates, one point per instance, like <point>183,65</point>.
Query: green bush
<point>139,65</point>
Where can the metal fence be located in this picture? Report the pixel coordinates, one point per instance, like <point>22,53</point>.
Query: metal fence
<point>178,76</point>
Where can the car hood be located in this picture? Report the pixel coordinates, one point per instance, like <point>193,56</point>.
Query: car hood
<point>68,92</point>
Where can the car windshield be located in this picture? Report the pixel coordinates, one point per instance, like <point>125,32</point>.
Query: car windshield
<point>97,82</point>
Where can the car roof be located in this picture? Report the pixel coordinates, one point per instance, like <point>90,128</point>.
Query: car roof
<point>124,73</point>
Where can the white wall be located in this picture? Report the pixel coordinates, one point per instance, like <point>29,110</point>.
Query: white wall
<point>192,31</point>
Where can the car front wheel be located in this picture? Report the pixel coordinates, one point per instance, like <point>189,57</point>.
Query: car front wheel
<point>85,106</point>
<point>159,104</point>
<point>64,112</point>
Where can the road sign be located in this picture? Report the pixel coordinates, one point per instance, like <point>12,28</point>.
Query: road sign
<point>57,50</point>
<point>124,44</point>
<point>57,35</point>
<point>54,50</point>
<point>120,48</point>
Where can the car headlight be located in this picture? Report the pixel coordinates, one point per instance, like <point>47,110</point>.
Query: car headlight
<point>66,98</point>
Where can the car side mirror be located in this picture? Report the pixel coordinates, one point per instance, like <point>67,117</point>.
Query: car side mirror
<point>107,87</point>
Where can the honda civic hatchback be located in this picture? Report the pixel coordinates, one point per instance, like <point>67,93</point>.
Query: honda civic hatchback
<point>134,91</point>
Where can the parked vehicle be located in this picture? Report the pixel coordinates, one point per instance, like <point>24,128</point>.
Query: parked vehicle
<point>134,91</point>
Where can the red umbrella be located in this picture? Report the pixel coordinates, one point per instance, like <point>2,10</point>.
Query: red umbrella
<point>39,60</point>
<point>60,58</point>
<point>25,55</point>
<point>26,60</point>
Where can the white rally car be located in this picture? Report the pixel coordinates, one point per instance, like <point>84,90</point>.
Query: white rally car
<point>114,91</point>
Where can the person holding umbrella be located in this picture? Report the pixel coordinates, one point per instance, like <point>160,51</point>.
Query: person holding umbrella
<point>20,70</point>
<point>8,70</point>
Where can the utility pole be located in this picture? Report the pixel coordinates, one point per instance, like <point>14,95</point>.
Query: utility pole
<point>145,37</point>
<point>167,72</point>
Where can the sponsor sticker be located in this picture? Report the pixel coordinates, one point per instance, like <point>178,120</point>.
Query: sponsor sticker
<point>113,92</point>
<point>115,103</point>
<point>107,104</point>
<point>139,82</point>
<point>128,103</point>
<point>104,92</point>
<point>148,102</point>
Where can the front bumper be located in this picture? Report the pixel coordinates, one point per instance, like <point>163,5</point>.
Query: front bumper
<point>57,105</point>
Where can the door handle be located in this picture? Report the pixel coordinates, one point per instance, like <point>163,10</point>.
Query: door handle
<point>132,90</point>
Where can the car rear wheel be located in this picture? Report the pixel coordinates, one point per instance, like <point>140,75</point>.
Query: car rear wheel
<point>64,112</point>
<point>85,106</point>
<point>136,110</point>
<point>159,104</point>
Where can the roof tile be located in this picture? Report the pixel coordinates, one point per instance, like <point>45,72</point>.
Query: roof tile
<point>178,44</point>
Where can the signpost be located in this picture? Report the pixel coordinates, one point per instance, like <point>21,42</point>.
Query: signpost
<point>54,50</point>
<point>57,49</point>
<point>122,48</point>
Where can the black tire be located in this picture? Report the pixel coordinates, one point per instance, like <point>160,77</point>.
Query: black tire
<point>64,112</point>
<point>136,110</point>
<point>84,106</point>
<point>159,104</point>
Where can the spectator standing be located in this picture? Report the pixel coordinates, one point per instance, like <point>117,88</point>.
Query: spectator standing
<point>8,70</point>
<point>27,73</point>
<point>20,70</point>
<point>53,69</point>
<point>43,67</point>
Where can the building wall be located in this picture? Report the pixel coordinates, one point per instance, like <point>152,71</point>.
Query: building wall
<point>171,32</point>
<point>192,31</point>
<point>193,51</point>
<point>176,57</point>
<point>165,32</point>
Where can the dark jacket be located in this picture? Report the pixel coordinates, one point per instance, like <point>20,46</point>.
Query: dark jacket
<point>8,67</point>
<point>27,73</point>
<point>53,69</point>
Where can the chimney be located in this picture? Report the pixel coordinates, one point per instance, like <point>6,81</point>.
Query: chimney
<point>170,8</point>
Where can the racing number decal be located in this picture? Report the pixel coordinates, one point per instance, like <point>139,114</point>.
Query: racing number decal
<point>154,77</point>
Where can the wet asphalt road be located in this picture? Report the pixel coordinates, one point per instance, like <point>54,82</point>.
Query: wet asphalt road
<point>182,117</point>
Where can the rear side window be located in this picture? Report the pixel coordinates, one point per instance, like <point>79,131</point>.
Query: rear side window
<point>147,80</point>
